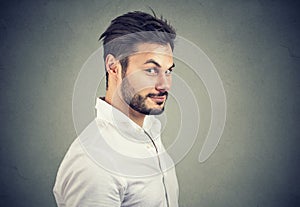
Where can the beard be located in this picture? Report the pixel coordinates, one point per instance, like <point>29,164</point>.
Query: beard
<point>138,102</point>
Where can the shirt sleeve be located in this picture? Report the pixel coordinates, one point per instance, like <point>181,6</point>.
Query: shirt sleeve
<point>80,182</point>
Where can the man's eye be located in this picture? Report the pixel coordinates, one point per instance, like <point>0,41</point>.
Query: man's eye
<point>152,71</point>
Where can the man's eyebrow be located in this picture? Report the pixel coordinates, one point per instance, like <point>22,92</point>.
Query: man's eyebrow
<point>157,64</point>
<point>153,62</point>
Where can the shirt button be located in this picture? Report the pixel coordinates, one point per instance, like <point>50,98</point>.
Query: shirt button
<point>149,146</point>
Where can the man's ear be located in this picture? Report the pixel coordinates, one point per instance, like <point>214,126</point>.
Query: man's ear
<point>113,67</point>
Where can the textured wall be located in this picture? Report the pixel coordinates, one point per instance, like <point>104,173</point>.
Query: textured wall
<point>255,47</point>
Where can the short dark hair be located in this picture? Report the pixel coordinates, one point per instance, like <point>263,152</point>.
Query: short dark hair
<point>126,31</point>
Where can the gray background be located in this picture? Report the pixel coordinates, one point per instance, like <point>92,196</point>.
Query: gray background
<point>255,47</point>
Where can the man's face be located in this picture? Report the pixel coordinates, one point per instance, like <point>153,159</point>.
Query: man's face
<point>148,78</point>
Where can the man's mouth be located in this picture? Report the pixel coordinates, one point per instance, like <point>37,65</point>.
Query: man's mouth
<point>158,98</point>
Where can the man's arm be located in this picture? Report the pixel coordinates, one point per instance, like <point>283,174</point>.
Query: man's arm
<point>80,182</point>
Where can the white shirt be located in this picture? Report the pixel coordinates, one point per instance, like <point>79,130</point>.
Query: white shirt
<point>113,162</point>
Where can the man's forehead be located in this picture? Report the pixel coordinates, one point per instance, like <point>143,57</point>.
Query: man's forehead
<point>162,54</point>
<point>153,49</point>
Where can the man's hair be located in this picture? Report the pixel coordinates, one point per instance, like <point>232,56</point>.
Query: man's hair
<point>126,31</point>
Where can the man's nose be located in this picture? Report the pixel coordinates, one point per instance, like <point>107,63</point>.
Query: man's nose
<point>163,82</point>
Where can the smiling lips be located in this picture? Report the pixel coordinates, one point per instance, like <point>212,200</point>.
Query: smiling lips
<point>158,98</point>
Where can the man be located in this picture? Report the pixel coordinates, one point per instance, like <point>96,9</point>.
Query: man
<point>119,160</point>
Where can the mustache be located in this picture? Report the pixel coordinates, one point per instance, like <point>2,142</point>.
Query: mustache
<point>159,94</point>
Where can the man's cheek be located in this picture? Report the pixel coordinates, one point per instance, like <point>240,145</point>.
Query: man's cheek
<point>141,82</point>
<point>143,87</point>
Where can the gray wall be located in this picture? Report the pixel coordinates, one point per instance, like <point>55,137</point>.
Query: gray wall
<point>255,47</point>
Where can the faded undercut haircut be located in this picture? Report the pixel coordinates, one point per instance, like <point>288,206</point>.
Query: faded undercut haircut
<point>127,31</point>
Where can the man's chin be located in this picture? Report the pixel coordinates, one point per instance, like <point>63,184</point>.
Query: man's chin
<point>156,108</point>
<point>148,111</point>
<point>156,111</point>
<point>147,106</point>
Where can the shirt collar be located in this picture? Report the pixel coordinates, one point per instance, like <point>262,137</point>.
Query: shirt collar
<point>112,115</point>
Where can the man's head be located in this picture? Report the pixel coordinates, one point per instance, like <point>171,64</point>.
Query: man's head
<point>141,46</point>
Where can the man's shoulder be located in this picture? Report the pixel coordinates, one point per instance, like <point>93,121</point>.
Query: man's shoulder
<point>77,160</point>
<point>79,166</point>
<point>77,152</point>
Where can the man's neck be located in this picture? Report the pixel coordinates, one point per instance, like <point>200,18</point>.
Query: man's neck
<point>119,104</point>
<point>137,117</point>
